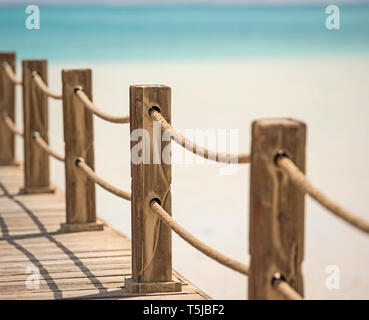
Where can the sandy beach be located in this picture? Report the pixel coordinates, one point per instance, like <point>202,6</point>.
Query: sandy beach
<point>329,94</point>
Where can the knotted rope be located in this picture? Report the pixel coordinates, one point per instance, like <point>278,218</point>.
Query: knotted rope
<point>43,86</point>
<point>10,73</point>
<point>199,245</point>
<point>300,180</point>
<point>43,144</point>
<point>196,149</point>
<point>90,106</point>
<point>11,125</point>
<point>285,289</point>
<point>80,163</point>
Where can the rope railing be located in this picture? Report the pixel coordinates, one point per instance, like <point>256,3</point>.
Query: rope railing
<point>80,137</point>
<point>285,289</point>
<point>10,73</point>
<point>196,149</point>
<point>300,180</point>
<point>43,86</point>
<point>90,106</point>
<point>199,245</point>
<point>43,144</point>
<point>279,284</point>
<point>80,163</point>
<point>11,125</point>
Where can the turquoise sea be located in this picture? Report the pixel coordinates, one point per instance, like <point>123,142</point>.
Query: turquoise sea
<point>103,33</point>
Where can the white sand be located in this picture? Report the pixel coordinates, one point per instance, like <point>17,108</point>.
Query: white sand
<point>330,95</point>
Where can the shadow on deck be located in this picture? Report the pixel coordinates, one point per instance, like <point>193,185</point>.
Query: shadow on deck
<point>37,261</point>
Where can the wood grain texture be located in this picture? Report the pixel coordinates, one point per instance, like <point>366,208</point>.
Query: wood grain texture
<point>7,105</point>
<point>83,265</point>
<point>151,239</point>
<point>79,142</point>
<point>276,235</point>
<point>35,118</point>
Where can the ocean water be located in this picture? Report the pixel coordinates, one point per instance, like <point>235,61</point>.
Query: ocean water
<point>170,33</point>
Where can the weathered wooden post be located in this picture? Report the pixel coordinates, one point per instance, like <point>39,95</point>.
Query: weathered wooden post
<point>7,105</point>
<point>151,179</point>
<point>276,232</point>
<point>35,118</point>
<point>79,142</point>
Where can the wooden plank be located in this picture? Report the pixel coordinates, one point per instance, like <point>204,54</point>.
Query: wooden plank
<point>62,256</point>
<point>67,271</point>
<point>78,138</point>
<point>9,251</point>
<point>7,105</point>
<point>76,246</point>
<point>35,118</point>
<point>108,293</point>
<point>68,262</point>
<point>276,229</point>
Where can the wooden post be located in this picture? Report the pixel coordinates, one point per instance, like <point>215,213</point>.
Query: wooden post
<point>79,142</point>
<point>7,105</point>
<point>276,208</point>
<point>35,118</point>
<point>151,239</point>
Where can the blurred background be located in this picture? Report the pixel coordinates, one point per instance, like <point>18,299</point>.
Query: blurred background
<point>228,63</point>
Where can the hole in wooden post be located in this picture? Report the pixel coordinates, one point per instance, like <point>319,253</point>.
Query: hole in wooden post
<point>78,160</point>
<point>35,135</point>
<point>277,277</point>
<point>154,108</point>
<point>279,155</point>
<point>155,200</point>
<point>77,88</point>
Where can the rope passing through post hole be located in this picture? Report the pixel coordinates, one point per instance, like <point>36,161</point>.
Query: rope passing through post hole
<point>300,180</point>
<point>192,240</point>
<point>10,73</point>
<point>43,144</point>
<point>285,289</point>
<point>196,149</point>
<point>43,86</point>
<point>90,106</point>
<point>11,125</point>
<point>81,164</point>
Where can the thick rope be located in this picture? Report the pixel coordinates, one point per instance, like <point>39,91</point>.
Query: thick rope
<point>43,86</point>
<point>196,149</point>
<point>11,126</point>
<point>192,240</point>
<point>80,163</point>
<point>299,179</point>
<point>286,290</point>
<point>10,73</point>
<point>42,143</point>
<point>90,106</point>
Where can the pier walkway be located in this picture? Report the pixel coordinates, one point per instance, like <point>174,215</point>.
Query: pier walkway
<point>79,265</point>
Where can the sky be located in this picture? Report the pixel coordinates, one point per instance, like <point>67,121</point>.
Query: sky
<point>173,2</point>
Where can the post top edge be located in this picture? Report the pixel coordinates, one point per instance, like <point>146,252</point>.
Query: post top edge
<point>6,53</point>
<point>278,121</point>
<point>34,60</point>
<point>149,86</point>
<point>75,70</point>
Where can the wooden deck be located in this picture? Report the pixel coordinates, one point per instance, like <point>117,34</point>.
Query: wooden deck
<point>82,265</point>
